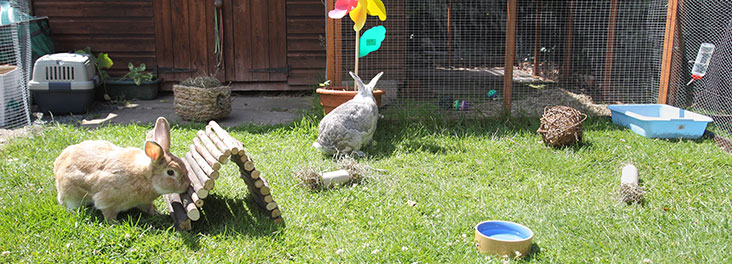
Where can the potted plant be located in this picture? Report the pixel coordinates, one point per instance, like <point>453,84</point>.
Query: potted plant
<point>102,61</point>
<point>136,84</point>
<point>331,96</point>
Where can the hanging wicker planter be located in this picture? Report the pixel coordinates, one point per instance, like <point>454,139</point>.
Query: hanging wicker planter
<point>561,126</point>
<point>201,104</point>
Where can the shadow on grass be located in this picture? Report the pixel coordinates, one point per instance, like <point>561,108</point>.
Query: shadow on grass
<point>534,253</point>
<point>224,215</point>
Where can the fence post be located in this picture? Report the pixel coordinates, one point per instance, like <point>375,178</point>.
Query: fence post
<point>537,36</point>
<point>510,56</point>
<point>610,48</point>
<point>668,51</point>
<point>568,40</point>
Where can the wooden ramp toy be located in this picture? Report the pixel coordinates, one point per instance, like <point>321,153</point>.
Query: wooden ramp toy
<point>211,149</point>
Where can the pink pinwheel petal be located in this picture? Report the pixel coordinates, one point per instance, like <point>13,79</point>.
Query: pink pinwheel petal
<point>342,7</point>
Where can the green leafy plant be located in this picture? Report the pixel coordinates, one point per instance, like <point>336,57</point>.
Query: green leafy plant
<point>101,62</point>
<point>138,74</point>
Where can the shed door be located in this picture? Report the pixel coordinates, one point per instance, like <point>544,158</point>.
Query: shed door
<point>253,44</point>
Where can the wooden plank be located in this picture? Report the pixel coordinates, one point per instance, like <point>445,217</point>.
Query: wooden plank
<point>306,60</point>
<point>181,44</point>
<point>668,51</point>
<point>197,35</point>
<point>610,49</point>
<point>305,76</point>
<point>116,43</point>
<point>568,40</point>
<point>260,39</point>
<point>510,55</point>
<point>277,38</point>
<point>307,25</point>
<point>305,43</point>
<point>77,9</point>
<point>229,52</point>
<point>167,86</point>
<point>537,37</point>
<point>241,23</point>
<point>163,36</point>
<point>93,25</point>
<point>305,9</point>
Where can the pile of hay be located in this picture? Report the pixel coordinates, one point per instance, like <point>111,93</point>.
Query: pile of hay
<point>313,179</point>
<point>201,82</point>
<point>561,126</point>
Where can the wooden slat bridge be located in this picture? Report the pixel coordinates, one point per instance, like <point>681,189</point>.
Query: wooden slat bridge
<point>212,148</point>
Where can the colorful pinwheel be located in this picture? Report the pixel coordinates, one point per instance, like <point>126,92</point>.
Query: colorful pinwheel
<point>357,10</point>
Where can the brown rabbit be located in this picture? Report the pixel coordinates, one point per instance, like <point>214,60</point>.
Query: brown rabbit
<point>116,179</point>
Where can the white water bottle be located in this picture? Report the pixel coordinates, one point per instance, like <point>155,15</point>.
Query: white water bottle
<point>702,61</point>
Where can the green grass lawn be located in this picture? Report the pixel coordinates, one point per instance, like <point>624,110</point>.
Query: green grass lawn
<point>458,172</point>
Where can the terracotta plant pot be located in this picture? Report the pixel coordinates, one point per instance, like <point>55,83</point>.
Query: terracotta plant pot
<point>334,96</point>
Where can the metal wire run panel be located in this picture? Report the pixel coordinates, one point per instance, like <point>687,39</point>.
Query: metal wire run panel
<point>698,23</point>
<point>451,54</point>
<point>15,64</point>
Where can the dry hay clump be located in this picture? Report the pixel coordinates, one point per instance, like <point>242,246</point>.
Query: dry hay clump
<point>312,178</point>
<point>561,126</point>
<point>201,82</point>
<point>356,170</point>
<point>539,100</point>
<point>631,193</point>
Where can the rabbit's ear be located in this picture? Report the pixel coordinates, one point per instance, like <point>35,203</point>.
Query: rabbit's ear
<point>355,77</point>
<point>373,81</point>
<point>162,133</point>
<point>154,151</point>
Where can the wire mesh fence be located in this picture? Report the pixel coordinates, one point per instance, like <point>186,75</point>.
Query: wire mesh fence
<point>15,64</point>
<point>704,22</point>
<point>440,53</point>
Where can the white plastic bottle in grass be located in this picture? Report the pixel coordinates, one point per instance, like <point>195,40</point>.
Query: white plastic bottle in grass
<point>702,61</point>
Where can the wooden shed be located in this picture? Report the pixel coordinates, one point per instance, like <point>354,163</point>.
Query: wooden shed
<point>267,45</point>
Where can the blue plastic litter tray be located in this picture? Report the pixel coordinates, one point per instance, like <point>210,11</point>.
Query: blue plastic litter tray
<point>660,120</point>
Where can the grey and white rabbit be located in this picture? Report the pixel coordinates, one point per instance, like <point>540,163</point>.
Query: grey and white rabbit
<point>350,126</point>
<point>115,179</point>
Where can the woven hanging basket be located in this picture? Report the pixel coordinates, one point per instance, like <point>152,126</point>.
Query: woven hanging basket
<point>561,126</point>
<point>202,104</point>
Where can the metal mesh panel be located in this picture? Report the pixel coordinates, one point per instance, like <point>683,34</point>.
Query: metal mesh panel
<point>704,22</point>
<point>15,58</point>
<point>441,51</point>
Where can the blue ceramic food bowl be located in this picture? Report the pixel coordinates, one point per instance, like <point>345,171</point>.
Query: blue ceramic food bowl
<point>503,238</point>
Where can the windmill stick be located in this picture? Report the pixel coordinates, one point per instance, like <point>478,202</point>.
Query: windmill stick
<point>194,197</point>
<point>213,174</point>
<point>223,147</point>
<point>211,147</point>
<point>177,212</point>
<point>207,183</point>
<point>210,159</point>
<point>190,207</point>
<point>196,184</point>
